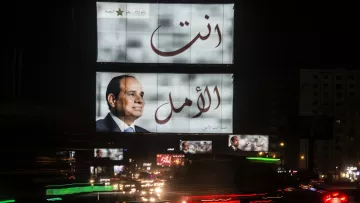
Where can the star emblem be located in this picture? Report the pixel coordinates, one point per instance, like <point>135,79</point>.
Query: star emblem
<point>119,12</point>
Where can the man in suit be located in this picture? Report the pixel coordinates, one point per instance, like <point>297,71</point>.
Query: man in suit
<point>234,144</point>
<point>185,148</point>
<point>125,98</point>
<point>98,153</point>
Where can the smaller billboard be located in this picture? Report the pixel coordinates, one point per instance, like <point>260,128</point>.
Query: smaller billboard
<point>195,147</point>
<point>146,164</point>
<point>256,143</point>
<point>118,169</point>
<point>112,154</point>
<point>97,170</point>
<point>177,159</point>
<point>167,160</point>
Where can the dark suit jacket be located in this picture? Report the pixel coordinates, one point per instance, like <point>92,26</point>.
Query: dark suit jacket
<point>232,150</point>
<point>109,125</point>
<point>182,152</point>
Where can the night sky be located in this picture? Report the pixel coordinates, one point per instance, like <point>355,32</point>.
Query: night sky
<point>273,40</point>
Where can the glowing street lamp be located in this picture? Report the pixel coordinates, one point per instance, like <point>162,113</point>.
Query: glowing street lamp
<point>282,144</point>
<point>302,157</point>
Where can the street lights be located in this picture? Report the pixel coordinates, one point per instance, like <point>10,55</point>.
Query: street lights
<point>302,157</point>
<point>282,144</point>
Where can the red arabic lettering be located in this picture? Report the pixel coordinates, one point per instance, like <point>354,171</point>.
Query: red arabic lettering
<point>188,45</point>
<point>188,102</point>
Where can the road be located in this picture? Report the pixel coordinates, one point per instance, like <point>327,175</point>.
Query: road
<point>354,195</point>
<point>349,189</point>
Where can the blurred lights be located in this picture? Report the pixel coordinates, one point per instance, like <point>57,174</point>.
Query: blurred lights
<point>49,199</point>
<point>260,153</point>
<point>282,144</point>
<point>158,190</point>
<point>302,157</point>
<point>159,184</point>
<point>262,159</point>
<point>335,196</point>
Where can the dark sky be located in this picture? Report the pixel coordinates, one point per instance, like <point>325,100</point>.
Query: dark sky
<point>273,40</point>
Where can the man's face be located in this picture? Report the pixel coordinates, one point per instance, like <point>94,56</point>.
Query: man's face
<point>186,146</point>
<point>235,142</point>
<point>130,103</point>
<point>99,153</point>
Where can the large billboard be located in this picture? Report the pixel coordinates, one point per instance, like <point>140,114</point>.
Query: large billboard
<point>195,147</point>
<point>258,143</point>
<point>165,33</point>
<point>112,154</point>
<point>164,103</point>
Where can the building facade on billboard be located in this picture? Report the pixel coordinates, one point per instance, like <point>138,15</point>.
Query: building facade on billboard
<point>257,143</point>
<point>164,103</point>
<point>195,147</point>
<point>165,33</point>
<point>112,154</point>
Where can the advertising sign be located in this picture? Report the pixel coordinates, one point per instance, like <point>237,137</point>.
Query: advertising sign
<point>168,160</point>
<point>165,33</point>
<point>195,147</point>
<point>164,103</point>
<point>258,143</point>
<point>112,154</point>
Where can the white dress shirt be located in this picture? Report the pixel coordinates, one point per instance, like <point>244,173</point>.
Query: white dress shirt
<point>121,124</point>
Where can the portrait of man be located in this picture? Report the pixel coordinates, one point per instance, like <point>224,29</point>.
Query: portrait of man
<point>234,144</point>
<point>125,99</point>
<point>98,153</point>
<point>185,147</point>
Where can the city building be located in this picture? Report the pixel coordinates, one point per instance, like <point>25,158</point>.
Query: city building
<point>333,93</point>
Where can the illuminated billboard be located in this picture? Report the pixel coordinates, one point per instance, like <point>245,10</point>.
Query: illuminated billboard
<point>195,147</point>
<point>118,169</point>
<point>164,103</point>
<point>168,160</point>
<point>257,143</point>
<point>112,154</point>
<point>97,170</point>
<point>165,33</point>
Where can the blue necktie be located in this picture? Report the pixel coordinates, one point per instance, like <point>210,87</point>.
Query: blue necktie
<point>129,130</point>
